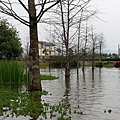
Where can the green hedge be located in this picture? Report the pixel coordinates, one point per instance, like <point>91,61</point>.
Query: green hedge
<point>58,64</point>
<point>98,64</point>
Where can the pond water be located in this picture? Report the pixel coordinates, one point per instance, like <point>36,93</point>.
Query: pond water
<point>91,96</point>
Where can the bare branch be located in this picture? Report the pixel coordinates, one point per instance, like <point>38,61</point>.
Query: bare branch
<point>43,11</point>
<point>24,6</point>
<point>6,8</point>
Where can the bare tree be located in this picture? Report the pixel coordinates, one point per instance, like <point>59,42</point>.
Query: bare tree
<point>101,45</point>
<point>78,46</point>
<point>69,13</point>
<point>84,48</point>
<point>94,47</point>
<point>82,39</point>
<point>34,9</point>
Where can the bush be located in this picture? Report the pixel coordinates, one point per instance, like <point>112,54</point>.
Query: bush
<point>117,64</point>
<point>99,64</point>
<point>73,63</point>
<point>58,63</point>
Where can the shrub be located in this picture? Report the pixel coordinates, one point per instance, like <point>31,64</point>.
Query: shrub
<point>73,63</point>
<point>58,63</point>
<point>99,64</point>
<point>117,64</point>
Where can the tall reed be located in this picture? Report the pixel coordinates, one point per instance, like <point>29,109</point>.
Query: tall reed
<point>10,72</point>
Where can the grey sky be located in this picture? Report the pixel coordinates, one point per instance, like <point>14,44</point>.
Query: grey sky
<point>110,13</point>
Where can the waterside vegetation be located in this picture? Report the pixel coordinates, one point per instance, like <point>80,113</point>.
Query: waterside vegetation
<point>11,72</point>
<point>58,64</point>
<point>14,103</point>
<point>17,72</point>
<point>30,104</point>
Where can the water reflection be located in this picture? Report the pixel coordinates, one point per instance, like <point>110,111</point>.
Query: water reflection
<point>67,93</point>
<point>91,93</point>
<point>67,86</point>
<point>100,73</point>
<point>92,96</point>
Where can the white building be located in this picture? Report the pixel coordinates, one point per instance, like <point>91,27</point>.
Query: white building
<point>46,49</point>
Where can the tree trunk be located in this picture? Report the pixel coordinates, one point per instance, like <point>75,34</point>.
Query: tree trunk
<point>34,71</point>
<point>67,67</point>
<point>67,70</point>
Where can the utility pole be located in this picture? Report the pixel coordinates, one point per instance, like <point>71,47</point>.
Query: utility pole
<point>118,50</point>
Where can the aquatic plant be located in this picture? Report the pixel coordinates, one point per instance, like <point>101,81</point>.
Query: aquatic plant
<point>48,77</point>
<point>10,72</point>
<point>104,111</point>
<point>109,111</point>
<point>30,104</point>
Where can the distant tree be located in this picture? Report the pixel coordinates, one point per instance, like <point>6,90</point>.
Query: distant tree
<point>85,42</point>
<point>10,45</point>
<point>94,46</point>
<point>114,55</point>
<point>101,45</point>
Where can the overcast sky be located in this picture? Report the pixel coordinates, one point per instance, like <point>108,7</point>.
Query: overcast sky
<point>110,14</point>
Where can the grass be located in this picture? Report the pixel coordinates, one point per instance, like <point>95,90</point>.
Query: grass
<point>20,63</point>
<point>48,77</point>
<point>109,65</point>
<point>44,65</point>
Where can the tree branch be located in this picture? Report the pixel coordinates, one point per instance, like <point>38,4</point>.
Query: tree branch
<point>4,8</point>
<point>43,11</point>
<point>24,6</point>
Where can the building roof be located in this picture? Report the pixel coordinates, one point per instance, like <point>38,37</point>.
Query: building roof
<point>46,43</point>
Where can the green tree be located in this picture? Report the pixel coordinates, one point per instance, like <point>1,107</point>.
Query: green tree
<point>10,45</point>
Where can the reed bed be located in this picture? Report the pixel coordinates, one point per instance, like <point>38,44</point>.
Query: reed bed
<point>11,72</point>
